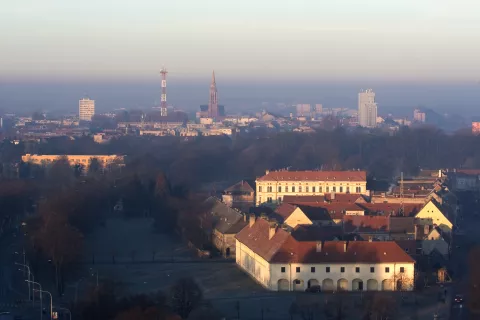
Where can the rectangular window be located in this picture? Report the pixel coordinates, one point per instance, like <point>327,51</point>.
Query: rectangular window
<point>286,189</point>
<point>269,188</point>
<point>341,189</point>
<point>402,269</point>
<point>372,269</point>
<point>298,269</point>
<point>334,189</point>
<point>312,269</point>
<point>279,200</point>
<point>279,189</point>
<point>387,269</point>
<point>293,189</point>
<point>269,199</point>
<point>320,189</point>
<point>282,269</point>
<point>300,189</point>
<point>327,269</point>
<point>306,189</point>
<point>342,269</point>
<point>260,189</point>
<point>327,189</point>
<point>313,189</point>
<point>348,190</point>
<point>259,199</point>
<point>357,269</point>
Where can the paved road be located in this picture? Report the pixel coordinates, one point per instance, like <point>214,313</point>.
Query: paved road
<point>13,296</point>
<point>469,236</point>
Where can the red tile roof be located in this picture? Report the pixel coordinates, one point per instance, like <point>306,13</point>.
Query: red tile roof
<point>360,176</point>
<point>285,210</point>
<point>284,248</point>
<point>410,209</point>
<point>256,238</point>
<point>365,224</point>
<point>293,251</point>
<point>327,198</point>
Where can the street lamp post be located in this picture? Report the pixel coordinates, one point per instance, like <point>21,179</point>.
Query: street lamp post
<point>41,300</point>
<point>51,301</point>
<point>76,289</point>
<point>29,273</point>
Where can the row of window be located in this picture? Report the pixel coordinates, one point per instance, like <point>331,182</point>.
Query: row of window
<point>342,269</point>
<point>314,190</point>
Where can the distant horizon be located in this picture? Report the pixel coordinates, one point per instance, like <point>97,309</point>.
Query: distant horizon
<point>399,98</point>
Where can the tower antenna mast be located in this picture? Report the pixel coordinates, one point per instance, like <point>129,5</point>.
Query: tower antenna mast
<point>163,105</point>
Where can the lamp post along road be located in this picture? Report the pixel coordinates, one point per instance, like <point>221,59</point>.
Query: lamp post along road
<point>29,273</point>
<point>51,301</point>
<point>41,300</point>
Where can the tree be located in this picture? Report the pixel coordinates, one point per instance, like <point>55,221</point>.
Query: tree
<point>61,242</point>
<point>185,296</point>
<point>95,167</point>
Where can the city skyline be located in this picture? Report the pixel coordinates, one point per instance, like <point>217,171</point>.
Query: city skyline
<point>334,41</point>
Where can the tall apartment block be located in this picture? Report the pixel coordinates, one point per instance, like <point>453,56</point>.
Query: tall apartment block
<point>86,109</point>
<point>367,109</point>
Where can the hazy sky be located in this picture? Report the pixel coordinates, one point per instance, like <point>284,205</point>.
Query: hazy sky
<point>432,40</point>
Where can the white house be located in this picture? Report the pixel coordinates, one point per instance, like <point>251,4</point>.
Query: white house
<point>274,258</point>
<point>432,214</point>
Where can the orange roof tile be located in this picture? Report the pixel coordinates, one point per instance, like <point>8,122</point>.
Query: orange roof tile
<point>365,224</point>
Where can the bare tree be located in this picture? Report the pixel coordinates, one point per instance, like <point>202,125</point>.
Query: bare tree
<point>185,296</point>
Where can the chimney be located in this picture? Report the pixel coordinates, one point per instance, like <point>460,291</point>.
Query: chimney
<point>426,229</point>
<point>244,217</point>
<point>271,231</point>
<point>370,239</point>
<point>251,220</point>
<point>345,246</point>
<point>319,246</point>
<point>267,172</point>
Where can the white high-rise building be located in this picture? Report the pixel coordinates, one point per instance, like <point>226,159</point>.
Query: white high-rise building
<point>367,109</point>
<point>86,109</point>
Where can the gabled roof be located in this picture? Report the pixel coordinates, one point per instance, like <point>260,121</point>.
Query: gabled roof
<point>365,224</point>
<point>283,211</point>
<point>360,176</point>
<point>284,248</point>
<point>225,219</point>
<point>256,238</point>
<point>241,186</point>
<point>402,224</point>
<point>316,233</point>
<point>293,251</point>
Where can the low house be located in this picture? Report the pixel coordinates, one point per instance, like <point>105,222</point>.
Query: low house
<point>226,222</point>
<point>433,239</point>
<point>279,262</point>
<point>241,196</point>
<point>432,214</point>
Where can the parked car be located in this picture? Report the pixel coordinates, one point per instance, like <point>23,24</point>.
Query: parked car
<point>314,289</point>
<point>458,299</point>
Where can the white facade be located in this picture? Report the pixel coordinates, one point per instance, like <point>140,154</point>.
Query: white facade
<point>86,109</point>
<point>330,277</point>
<point>274,191</point>
<point>367,109</point>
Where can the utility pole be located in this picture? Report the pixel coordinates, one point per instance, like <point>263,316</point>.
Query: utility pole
<point>401,194</point>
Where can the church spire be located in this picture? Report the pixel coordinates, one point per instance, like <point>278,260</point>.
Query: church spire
<point>213,78</point>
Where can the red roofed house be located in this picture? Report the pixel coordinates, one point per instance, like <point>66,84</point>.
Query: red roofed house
<point>274,185</point>
<point>241,196</point>
<point>278,261</point>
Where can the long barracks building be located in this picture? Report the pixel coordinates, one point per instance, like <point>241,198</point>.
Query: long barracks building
<point>274,185</point>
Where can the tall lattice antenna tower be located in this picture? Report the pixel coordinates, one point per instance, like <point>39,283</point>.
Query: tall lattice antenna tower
<point>163,105</point>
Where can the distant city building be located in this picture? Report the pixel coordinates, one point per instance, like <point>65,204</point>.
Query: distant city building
<point>418,115</point>
<point>318,108</point>
<point>476,127</point>
<point>86,109</point>
<point>367,109</point>
<point>213,101</point>
<point>304,110</point>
